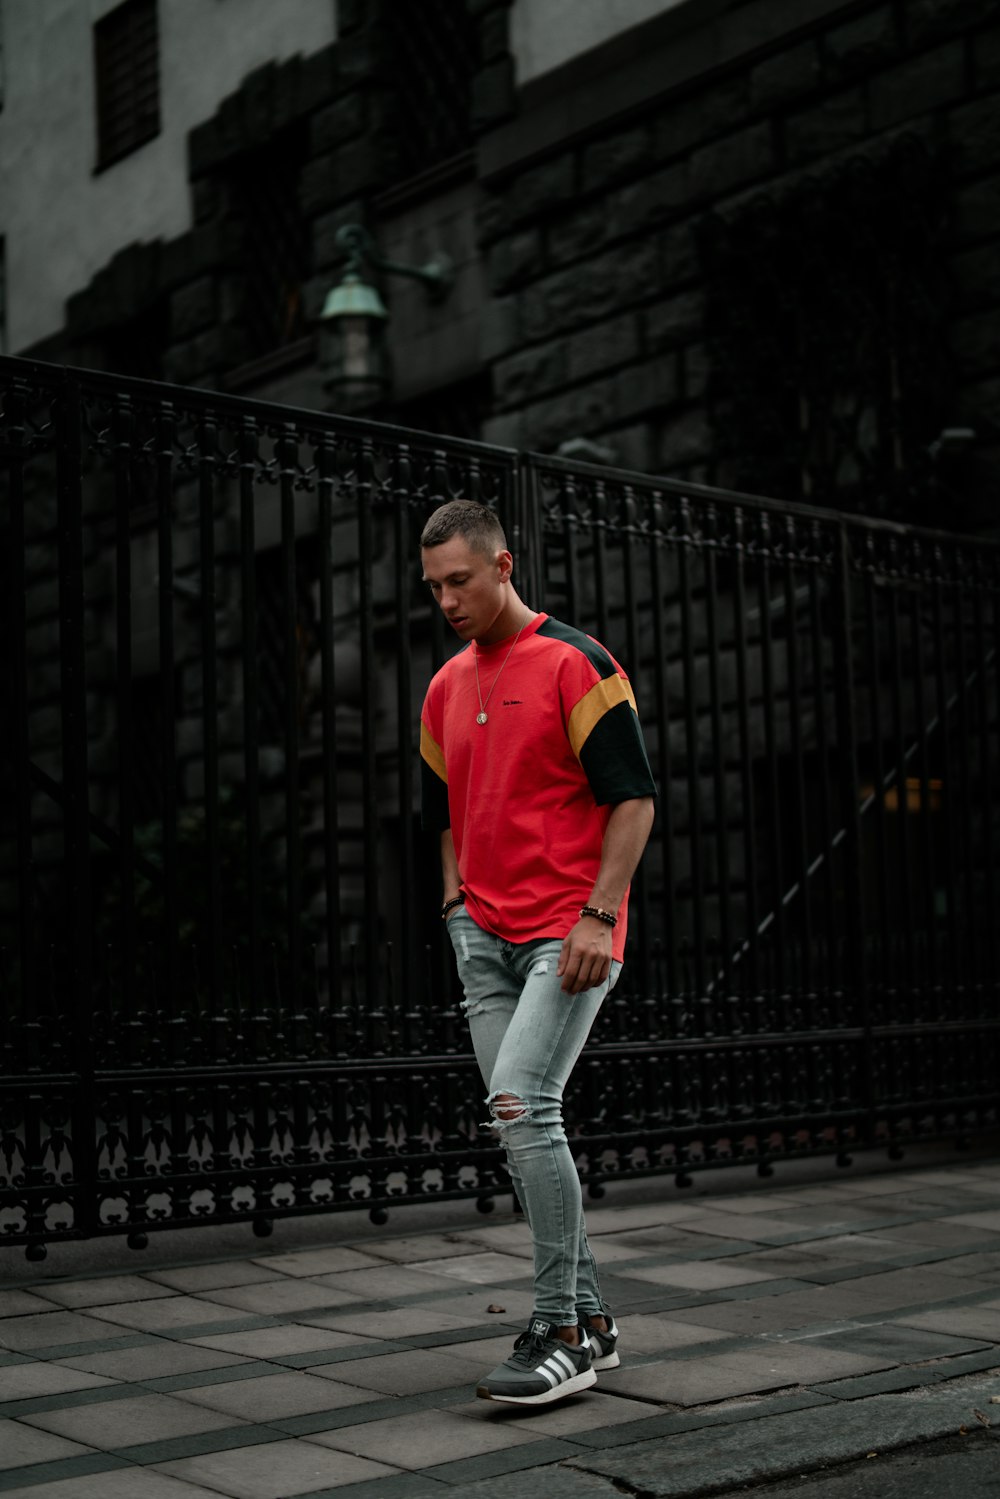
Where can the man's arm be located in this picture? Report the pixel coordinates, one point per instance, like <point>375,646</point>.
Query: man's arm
<point>450,876</point>
<point>585,959</point>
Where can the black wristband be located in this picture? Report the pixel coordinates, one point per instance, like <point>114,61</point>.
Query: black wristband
<point>449,905</point>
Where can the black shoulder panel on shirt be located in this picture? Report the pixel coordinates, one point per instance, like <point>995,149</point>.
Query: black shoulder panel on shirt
<point>614,758</point>
<point>554,629</point>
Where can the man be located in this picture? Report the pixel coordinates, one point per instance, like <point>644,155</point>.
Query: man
<point>535,775</point>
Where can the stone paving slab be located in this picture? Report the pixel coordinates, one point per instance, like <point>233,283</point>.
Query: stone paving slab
<point>275,1471</point>
<point>122,1483</point>
<point>22,1303</point>
<point>970,1320</point>
<point>436,1247</point>
<point>481,1269</point>
<point>26,1381</point>
<point>275,1396</point>
<point>22,1445</point>
<point>423,1439</point>
<point>38,1333</point>
<point>409,1373</point>
<point>329,1261</point>
<point>103,1291</point>
<point>139,1418</point>
<point>708,1275</point>
<point>280,1340</point>
<point>211,1276</point>
<point>275,1298</point>
<point>167,1312</point>
<point>902,1344</point>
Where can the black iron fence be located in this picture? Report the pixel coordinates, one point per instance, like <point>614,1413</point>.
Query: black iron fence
<point>222,981</point>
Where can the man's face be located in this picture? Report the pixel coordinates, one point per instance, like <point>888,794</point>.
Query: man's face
<point>468,586</point>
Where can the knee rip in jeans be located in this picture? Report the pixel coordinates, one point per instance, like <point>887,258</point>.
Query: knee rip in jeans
<point>506,1110</point>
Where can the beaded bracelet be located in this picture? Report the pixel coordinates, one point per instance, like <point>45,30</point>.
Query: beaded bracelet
<point>449,905</point>
<point>608,917</point>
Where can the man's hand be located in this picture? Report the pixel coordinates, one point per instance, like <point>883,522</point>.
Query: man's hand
<point>585,960</point>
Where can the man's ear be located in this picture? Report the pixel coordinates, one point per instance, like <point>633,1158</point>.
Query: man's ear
<point>505,564</point>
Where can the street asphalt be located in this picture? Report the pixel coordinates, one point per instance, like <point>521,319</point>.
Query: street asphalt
<point>825,1334</point>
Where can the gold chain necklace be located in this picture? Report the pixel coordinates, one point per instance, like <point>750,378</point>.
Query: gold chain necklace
<point>482,716</point>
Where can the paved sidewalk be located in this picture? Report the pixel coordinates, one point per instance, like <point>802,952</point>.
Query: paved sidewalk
<point>769,1330</point>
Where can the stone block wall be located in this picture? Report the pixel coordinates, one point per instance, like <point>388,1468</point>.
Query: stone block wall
<point>591,242</point>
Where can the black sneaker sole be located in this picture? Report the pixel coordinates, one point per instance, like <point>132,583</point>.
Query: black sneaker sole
<point>582,1381</point>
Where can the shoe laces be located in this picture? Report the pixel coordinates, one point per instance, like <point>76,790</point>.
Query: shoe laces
<point>530,1348</point>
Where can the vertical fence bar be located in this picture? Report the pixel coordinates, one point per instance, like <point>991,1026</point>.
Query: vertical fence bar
<point>685,547</point>
<point>797,790</point>
<point>970,936</point>
<point>599,530</point>
<point>847,744</point>
<point>877,735</point>
<point>364,487</point>
<point>818,634</point>
<point>659,531</point>
<point>326,465</point>
<point>287,455</point>
<point>954,966</point>
<point>27,1028</point>
<point>903,840</point>
<point>406,988</point>
<point>987,793</point>
<point>778,936</point>
<point>628,530</point>
<point>248,461</point>
<point>210,962</point>
<point>718,745</point>
<point>751,952</point>
<point>76,793</point>
<point>164,435</point>
<point>123,460</point>
<point>567,490</point>
<point>926,830</point>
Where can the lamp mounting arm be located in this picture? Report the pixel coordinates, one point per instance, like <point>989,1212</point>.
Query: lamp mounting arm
<point>357,245</point>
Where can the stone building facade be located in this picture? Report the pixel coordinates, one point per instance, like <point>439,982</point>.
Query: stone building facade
<point>739,241</point>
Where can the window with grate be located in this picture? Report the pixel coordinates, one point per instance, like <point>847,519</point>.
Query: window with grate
<point>826,316</point>
<point>434,47</point>
<point>265,194</point>
<point>127,79</point>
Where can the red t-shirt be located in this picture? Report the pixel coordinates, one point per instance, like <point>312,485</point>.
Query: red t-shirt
<point>528,794</point>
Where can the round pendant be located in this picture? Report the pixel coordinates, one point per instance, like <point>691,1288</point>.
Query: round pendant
<point>481,717</point>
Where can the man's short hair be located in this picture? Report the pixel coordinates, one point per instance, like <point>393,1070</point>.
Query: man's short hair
<point>476,524</point>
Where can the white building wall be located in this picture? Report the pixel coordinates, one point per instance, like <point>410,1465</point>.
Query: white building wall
<point>547,33</point>
<point>61,221</point>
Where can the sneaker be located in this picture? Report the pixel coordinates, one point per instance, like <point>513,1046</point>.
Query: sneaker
<point>603,1345</point>
<point>541,1369</point>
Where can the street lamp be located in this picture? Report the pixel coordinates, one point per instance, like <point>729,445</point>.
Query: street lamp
<point>352,324</point>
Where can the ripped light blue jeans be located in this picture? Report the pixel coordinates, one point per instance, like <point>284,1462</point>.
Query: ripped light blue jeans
<point>527,1035</point>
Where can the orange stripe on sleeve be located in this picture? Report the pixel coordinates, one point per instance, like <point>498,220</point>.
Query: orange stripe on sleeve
<point>606,694</point>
